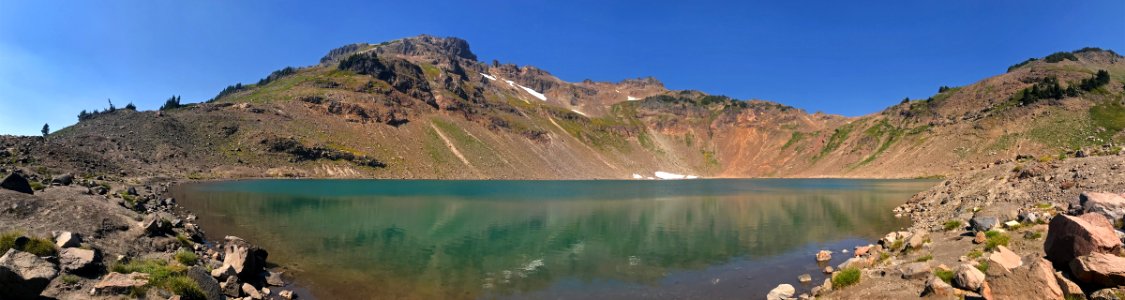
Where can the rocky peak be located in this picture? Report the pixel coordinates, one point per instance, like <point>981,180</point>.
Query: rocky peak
<point>427,45</point>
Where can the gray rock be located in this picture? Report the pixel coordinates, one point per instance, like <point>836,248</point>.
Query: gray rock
<point>17,183</point>
<point>968,278</point>
<point>287,295</point>
<point>231,288</point>
<point>65,179</point>
<point>117,283</point>
<point>68,239</point>
<point>1108,294</point>
<point>1029,217</point>
<point>248,260</point>
<point>274,279</point>
<point>781,292</point>
<point>223,272</point>
<point>77,260</point>
<point>983,223</point>
<point>24,275</point>
<point>804,278</point>
<point>916,270</point>
<point>251,292</point>
<point>209,285</point>
<point>1110,205</point>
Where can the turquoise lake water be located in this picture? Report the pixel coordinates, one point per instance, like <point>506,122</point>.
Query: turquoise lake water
<point>396,239</point>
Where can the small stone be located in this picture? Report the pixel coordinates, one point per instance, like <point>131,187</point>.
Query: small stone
<point>916,270</point>
<point>250,291</point>
<point>1011,224</point>
<point>828,270</point>
<point>804,278</point>
<point>823,256</point>
<point>287,295</point>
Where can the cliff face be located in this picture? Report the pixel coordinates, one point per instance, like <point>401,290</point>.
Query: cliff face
<point>424,107</point>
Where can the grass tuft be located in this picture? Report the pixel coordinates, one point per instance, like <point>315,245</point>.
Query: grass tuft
<point>37,246</point>
<point>995,239</point>
<point>945,275</point>
<point>953,224</point>
<point>186,257</point>
<point>162,275</point>
<point>923,258</point>
<point>846,277</point>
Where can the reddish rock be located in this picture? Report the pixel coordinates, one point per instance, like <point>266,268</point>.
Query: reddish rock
<point>1070,237</point>
<point>861,250</point>
<point>1033,281</point>
<point>1069,289</point>
<point>1099,269</point>
<point>1005,258</point>
<point>968,278</point>
<point>979,237</point>
<point>823,256</point>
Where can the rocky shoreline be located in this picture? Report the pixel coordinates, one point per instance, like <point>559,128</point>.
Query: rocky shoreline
<point>1018,229</point>
<point>105,238</point>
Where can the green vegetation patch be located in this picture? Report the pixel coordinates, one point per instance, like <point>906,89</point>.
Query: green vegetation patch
<point>953,224</point>
<point>162,275</point>
<point>846,277</point>
<point>186,257</point>
<point>1108,115</point>
<point>37,246</point>
<point>923,258</point>
<point>995,239</point>
<point>944,275</point>
<point>838,137</point>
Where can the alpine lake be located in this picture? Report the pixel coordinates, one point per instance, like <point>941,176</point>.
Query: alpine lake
<point>597,239</point>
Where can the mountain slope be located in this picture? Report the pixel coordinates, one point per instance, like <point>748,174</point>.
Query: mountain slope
<point>425,107</point>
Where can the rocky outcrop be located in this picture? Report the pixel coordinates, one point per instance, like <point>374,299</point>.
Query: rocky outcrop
<point>1069,237</point>
<point>17,183</point>
<point>77,260</point>
<point>1099,269</point>
<point>24,275</point>
<point>117,283</point>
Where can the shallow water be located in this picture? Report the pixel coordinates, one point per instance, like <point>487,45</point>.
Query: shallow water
<point>712,239</point>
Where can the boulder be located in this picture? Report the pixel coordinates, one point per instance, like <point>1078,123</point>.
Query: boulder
<point>828,270</point>
<point>156,226</point>
<point>1069,289</point>
<point>68,239</point>
<point>77,260</point>
<point>17,183</point>
<point>1034,280</point>
<point>1070,237</point>
<point>861,250</point>
<point>916,240</point>
<point>936,287</point>
<point>781,292</point>
<point>804,278</point>
<point>248,260</point>
<point>230,287</point>
<point>221,273</point>
<point>251,292</point>
<point>117,283</point>
<point>1112,206</point>
<point>983,223</point>
<point>823,256</point>
<point>1099,269</point>
<point>915,270</point>
<point>1029,217</point>
<point>65,179</point>
<point>274,279</point>
<point>1003,257</point>
<point>969,278</point>
<point>24,275</point>
<point>207,284</point>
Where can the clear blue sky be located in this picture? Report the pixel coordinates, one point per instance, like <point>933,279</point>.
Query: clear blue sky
<point>843,57</point>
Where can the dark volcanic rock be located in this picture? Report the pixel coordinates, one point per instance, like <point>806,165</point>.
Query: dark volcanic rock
<point>206,283</point>
<point>17,183</point>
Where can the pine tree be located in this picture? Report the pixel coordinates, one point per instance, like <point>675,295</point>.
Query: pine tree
<point>46,129</point>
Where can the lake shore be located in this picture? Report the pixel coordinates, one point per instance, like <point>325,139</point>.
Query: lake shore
<point>123,220</point>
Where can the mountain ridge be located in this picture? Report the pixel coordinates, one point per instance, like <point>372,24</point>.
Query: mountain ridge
<point>425,107</point>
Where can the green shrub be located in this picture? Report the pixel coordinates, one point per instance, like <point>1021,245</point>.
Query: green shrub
<point>162,275</point>
<point>945,275</point>
<point>846,277</point>
<point>186,257</point>
<point>976,253</point>
<point>69,279</point>
<point>184,240</point>
<point>994,239</point>
<point>953,224</point>
<point>38,186</point>
<point>37,246</point>
<point>923,258</point>
<point>1034,235</point>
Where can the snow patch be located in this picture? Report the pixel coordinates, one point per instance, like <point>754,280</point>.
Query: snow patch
<point>666,176</point>
<point>637,176</point>
<point>578,112</point>
<point>533,92</point>
<point>490,77</point>
<point>631,98</point>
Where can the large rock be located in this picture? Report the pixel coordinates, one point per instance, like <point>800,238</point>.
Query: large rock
<point>65,179</point>
<point>1035,280</point>
<point>983,223</point>
<point>916,270</point>
<point>274,279</point>
<point>251,292</point>
<point>936,287</point>
<point>968,278</point>
<point>77,260</point>
<point>1069,289</point>
<point>230,287</point>
<point>206,283</point>
<point>117,283</point>
<point>17,183</point>
<point>1099,269</point>
<point>24,275</point>
<point>1004,257</point>
<point>68,239</point>
<point>781,292</point>
<point>221,273</point>
<point>1112,206</point>
<point>247,260</point>
<point>917,239</point>
<point>1070,237</point>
